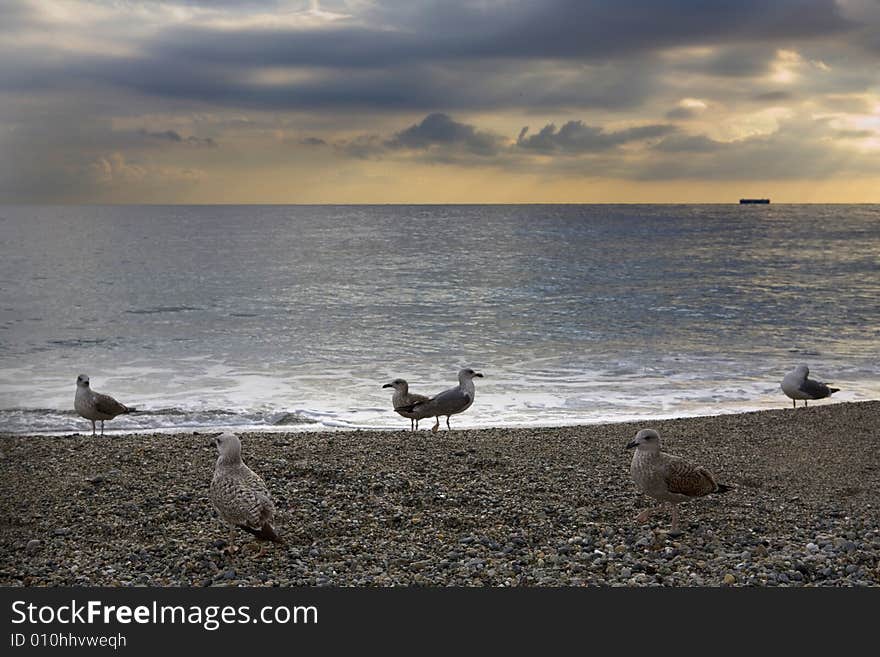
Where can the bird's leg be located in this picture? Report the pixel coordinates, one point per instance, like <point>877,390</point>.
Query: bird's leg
<point>793,403</point>
<point>231,547</point>
<point>805,403</point>
<point>448,428</point>
<point>102,428</point>
<point>93,428</point>
<point>436,426</point>
<point>674,528</point>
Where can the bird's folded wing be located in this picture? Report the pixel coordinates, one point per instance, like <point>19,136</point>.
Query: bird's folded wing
<point>451,400</point>
<point>412,403</point>
<point>686,479</point>
<point>240,502</point>
<point>814,388</point>
<point>417,399</point>
<point>107,405</point>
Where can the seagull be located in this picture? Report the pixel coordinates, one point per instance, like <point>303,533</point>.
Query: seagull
<point>403,399</point>
<point>239,494</point>
<point>796,385</point>
<point>666,477</point>
<point>94,406</point>
<point>449,402</point>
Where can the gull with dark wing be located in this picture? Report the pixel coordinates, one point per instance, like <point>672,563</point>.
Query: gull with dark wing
<point>403,399</point>
<point>449,402</point>
<point>667,478</point>
<point>796,385</point>
<point>94,406</point>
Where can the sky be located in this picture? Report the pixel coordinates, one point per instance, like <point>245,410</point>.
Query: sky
<point>446,101</point>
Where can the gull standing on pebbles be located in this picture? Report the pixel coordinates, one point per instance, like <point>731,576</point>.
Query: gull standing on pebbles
<point>667,478</point>
<point>796,385</point>
<point>239,494</point>
<point>94,406</point>
<point>403,399</point>
<point>449,402</point>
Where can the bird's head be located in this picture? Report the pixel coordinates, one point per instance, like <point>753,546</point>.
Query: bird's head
<point>397,384</point>
<point>467,374</point>
<point>802,371</point>
<point>646,440</point>
<point>228,447</point>
<point>82,380</point>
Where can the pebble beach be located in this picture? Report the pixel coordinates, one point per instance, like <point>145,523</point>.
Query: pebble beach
<point>490,507</point>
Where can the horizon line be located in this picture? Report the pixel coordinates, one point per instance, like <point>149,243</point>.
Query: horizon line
<point>429,203</point>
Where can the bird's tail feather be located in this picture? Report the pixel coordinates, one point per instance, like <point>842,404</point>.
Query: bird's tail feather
<point>723,488</point>
<point>833,390</point>
<point>129,409</point>
<point>266,533</point>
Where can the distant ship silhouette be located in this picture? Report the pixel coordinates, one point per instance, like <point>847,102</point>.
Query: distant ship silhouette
<point>746,201</point>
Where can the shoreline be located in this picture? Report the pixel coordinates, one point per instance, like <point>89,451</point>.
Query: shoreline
<point>316,426</point>
<point>549,506</point>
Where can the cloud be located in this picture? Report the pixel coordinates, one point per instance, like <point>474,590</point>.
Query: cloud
<point>801,148</point>
<point>112,173</point>
<point>687,108</point>
<point>175,138</point>
<point>439,130</point>
<point>369,68</point>
<point>453,55</point>
<point>682,113</point>
<point>577,137</point>
<point>688,144</point>
<point>774,96</point>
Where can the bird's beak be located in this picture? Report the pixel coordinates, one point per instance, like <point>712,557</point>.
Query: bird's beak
<point>479,374</point>
<point>631,444</point>
<point>388,385</point>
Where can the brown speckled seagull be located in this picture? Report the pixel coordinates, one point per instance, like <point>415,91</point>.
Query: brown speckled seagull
<point>403,401</point>
<point>667,478</point>
<point>239,494</point>
<point>94,406</point>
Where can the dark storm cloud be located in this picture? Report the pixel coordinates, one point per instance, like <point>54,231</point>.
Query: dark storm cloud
<point>482,85</point>
<point>577,137</point>
<point>437,31</point>
<point>453,55</point>
<point>65,84</point>
<point>436,137</point>
<point>799,148</point>
<point>439,129</point>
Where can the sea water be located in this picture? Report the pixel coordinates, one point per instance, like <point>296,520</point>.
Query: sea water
<point>293,317</point>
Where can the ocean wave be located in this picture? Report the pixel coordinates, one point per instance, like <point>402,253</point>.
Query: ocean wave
<point>50,420</point>
<point>162,309</point>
